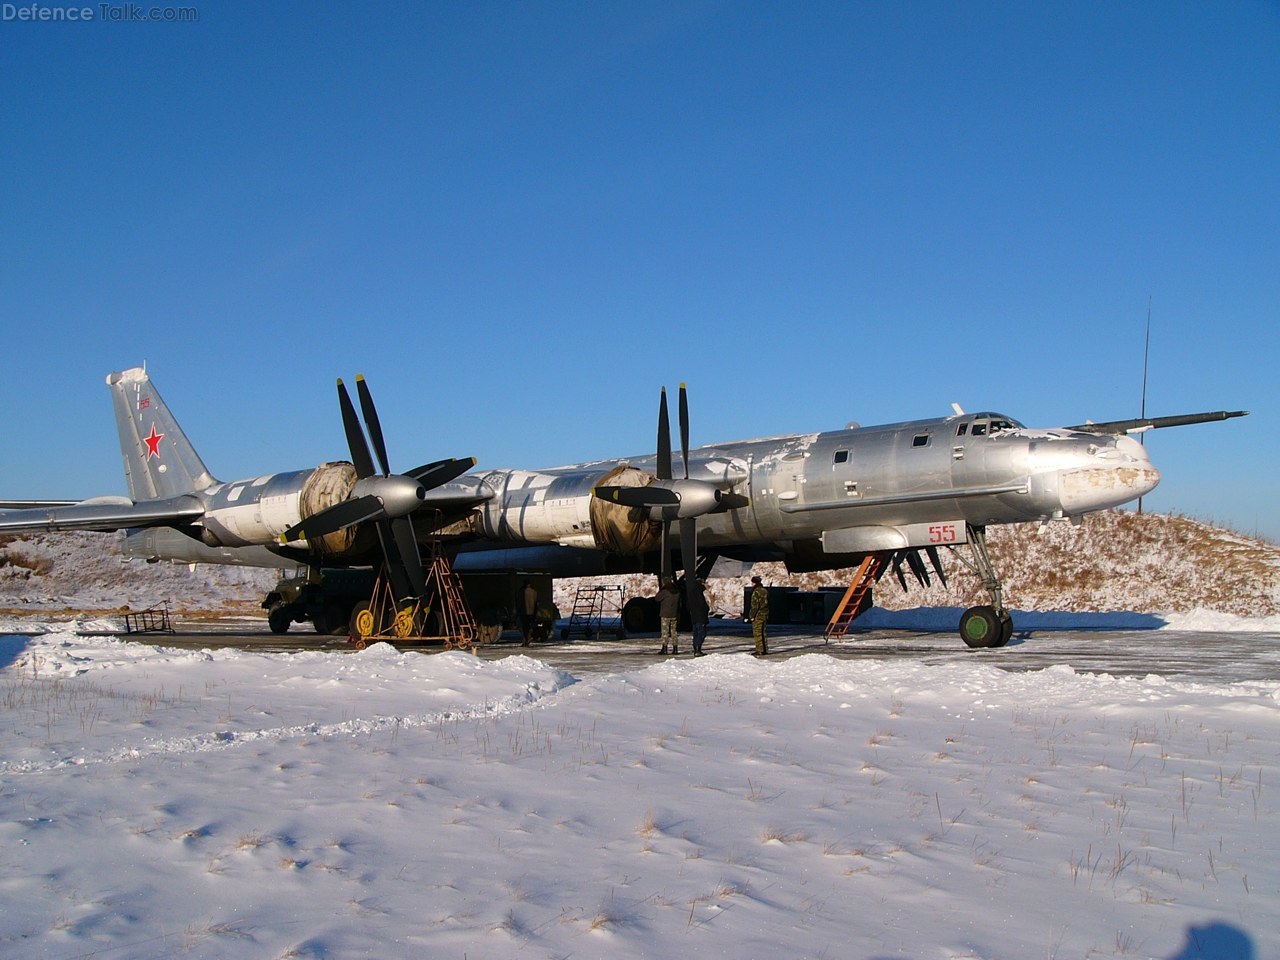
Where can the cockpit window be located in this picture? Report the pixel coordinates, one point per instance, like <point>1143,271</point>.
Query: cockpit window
<point>962,429</point>
<point>991,423</point>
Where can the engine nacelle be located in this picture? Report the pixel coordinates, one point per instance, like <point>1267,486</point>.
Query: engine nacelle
<point>257,511</point>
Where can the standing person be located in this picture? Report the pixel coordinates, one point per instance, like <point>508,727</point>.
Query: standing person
<point>759,615</point>
<point>668,611</point>
<point>528,612</point>
<point>698,612</point>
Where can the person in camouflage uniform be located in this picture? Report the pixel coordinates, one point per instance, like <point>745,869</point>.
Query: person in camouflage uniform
<point>759,615</point>
<point>668,614</point>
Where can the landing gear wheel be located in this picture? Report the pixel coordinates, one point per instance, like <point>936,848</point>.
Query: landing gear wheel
<point>409,621</point>
<point>279,617</point>
<point>981,627</point>
<point>1006,629</point>
<point>364,623</point>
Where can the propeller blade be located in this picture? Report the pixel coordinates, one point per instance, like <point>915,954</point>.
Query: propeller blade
<point>886,557</point>
<point>932,553</point>
<point>689,550</point>
<point>732,501</point>
<point>664,439</point>
<point>372,423</point>
<point>410,557</point>
<point>667,572</point>
<point>651,496</point>
<point>432,475</point>
<point>356,442</point>
<point>335,518</point>
<point>684,429</point>
<point>897,569</point>
<point>401,587</point>
<point>917,566</point>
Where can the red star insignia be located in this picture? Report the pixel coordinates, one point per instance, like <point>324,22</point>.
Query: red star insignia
<point>153,442</point>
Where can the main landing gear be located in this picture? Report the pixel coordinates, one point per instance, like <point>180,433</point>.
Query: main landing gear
<point>985,626</point>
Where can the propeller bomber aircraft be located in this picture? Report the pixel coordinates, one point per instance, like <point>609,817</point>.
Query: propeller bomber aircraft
<point>815,501</point>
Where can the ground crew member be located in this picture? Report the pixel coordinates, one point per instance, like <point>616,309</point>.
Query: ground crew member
<point>698,613</point>
<point>759,615</point>
<point>528,612</point>
<point>668,611</point>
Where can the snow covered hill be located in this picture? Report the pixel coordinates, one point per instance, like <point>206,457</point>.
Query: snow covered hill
<point>1113,561</point>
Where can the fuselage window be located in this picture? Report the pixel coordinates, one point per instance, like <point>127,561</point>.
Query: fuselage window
<point>842,456</point>
<point>920,440</point>
<point>962,429</point>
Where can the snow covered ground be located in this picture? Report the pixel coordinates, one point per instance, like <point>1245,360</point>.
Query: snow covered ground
<point>157,802</point>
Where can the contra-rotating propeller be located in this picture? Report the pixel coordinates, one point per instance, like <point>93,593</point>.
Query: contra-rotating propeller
<point>669,499</point>
<point>386,499</point>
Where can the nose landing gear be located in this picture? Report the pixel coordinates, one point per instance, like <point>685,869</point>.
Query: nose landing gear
<point>985,626</point>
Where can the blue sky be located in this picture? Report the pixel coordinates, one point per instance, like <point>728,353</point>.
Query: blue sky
<point>519,220</point>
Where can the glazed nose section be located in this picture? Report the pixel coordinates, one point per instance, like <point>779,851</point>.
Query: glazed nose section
<point>1108,473</point>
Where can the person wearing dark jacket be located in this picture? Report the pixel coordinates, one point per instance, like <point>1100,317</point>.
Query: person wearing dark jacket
<point>698,613</point>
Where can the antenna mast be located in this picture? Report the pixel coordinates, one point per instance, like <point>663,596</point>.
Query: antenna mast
<point>1146,354</point>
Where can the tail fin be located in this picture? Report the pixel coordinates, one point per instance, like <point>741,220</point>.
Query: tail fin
<point>159,461</point>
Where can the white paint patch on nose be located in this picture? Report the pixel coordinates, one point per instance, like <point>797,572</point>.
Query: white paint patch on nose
<point>1105,486</point>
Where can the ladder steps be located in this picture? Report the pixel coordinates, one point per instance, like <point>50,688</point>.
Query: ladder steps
<point>851,602</point>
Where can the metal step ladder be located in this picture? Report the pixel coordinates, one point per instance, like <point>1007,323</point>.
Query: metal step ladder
<point>850,604</point>
<point>590,605</point>
<point>151,620</point>
<point>458,623</point>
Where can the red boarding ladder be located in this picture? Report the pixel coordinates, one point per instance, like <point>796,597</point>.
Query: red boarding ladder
<point>851,603</point>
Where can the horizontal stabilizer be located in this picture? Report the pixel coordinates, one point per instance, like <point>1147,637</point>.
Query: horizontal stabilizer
<point>104,516</point>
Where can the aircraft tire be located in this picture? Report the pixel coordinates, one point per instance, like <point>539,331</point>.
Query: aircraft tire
<point>364,622</point>
<point>640,615</point>
<point>981,627</point>
<point>1006,630</point>
<point>409,621</point>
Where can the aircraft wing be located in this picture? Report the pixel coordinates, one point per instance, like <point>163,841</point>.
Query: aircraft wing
<point>32,504</point>
<point>104,514</point>
<point>466,491</point>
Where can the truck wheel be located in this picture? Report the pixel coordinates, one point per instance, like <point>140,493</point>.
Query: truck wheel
<point>279,617</point>
<point>640,615</point>
<point>332,620</point>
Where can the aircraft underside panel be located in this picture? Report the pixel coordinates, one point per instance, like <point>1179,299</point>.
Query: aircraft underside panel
<point>869,539</point>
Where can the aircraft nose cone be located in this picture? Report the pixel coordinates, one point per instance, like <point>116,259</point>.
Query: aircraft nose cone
<point>1119,475</point>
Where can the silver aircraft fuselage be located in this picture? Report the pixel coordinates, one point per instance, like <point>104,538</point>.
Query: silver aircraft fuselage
<point>813,500</point>
<point>817,499</point>
<point>847,491</point>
